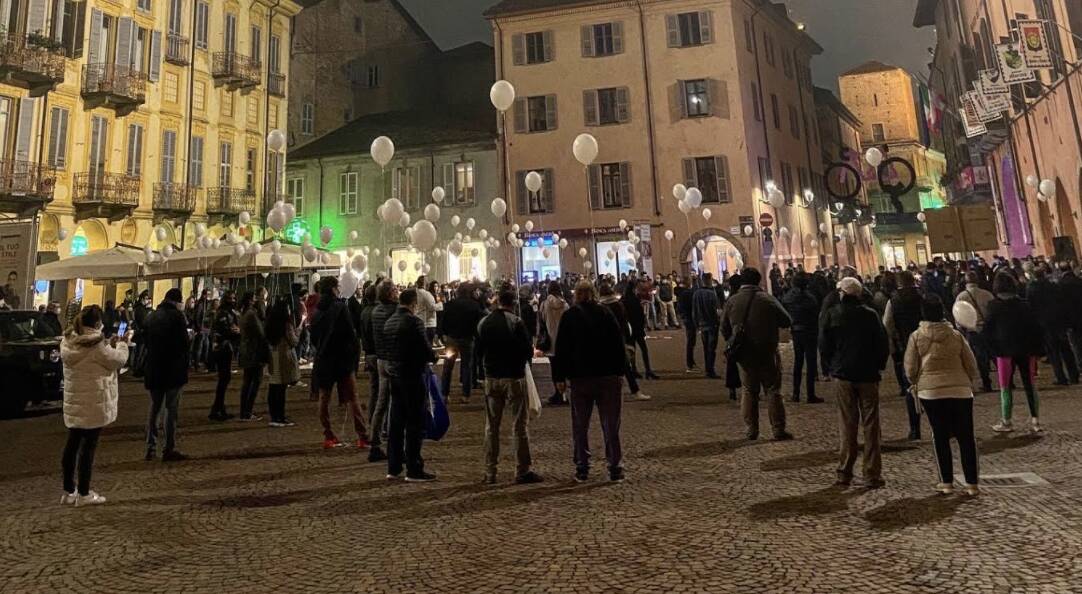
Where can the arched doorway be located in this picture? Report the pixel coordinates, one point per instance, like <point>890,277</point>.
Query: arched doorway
<point>89,236</point>
<point>722,253</point>
<point>1049,227</point>
<point>1065,214</point>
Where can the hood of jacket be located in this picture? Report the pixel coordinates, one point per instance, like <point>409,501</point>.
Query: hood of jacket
<point>76,347</point>
<point>554,303</point>
<point>936,330</point>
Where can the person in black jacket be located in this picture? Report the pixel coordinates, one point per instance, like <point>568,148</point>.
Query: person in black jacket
<point>1053,315</point>
<point>803,307</point>
<point>409,355</point>
<point>636,318</point>
<point>368,348</point>
<point>902,318</point>
<point>590,353</point>
<point>334,342</point>
<point>1071,290</point>
<point>165,337</point>
<point>612,301</point>
<point>225,341</point>
<point>505,349</point>
<point>685,295</point>
<point>854,343</point>
<point>705,308</point>
<point>460,319</point>
<point>379,401</point>
<point>1014,338</point>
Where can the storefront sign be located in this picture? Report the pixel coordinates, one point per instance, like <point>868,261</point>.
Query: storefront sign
<point>970,121</point>
<point>646,248</point>
<point>1034,42</point>
<point>15,254</point>
<point>994,103</point>
<point>1012,64</point>
<point>993,84</point>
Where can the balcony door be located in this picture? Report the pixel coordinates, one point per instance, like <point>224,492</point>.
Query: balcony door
<point>6,144</point>
<point>230,33</point>
<point>99,140</point>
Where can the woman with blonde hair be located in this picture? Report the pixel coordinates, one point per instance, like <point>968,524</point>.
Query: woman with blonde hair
<point>91,362</point>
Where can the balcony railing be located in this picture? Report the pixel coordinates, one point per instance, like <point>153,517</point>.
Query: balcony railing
<point>235,70</point>
<point>25,186</point>
<point>177,50</point>
<point>109,191</point>
<point>276,84</point>
<point>114,86</point>
<point>175,198</point>
<point>34,60</point>
<point>229,201</point>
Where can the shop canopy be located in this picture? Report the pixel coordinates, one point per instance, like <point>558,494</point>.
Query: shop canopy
<point>221,261</point>
<point>121,262</point>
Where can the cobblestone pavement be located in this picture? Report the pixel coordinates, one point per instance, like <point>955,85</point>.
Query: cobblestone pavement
<point>266,510</point>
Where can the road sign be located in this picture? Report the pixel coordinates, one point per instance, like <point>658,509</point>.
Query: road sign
<point>766,219</point>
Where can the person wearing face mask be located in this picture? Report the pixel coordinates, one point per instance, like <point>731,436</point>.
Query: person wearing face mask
<point>166,338</point>
<point>91,363</point>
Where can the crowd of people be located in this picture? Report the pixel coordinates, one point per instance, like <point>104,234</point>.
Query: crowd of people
<point>843,328</point>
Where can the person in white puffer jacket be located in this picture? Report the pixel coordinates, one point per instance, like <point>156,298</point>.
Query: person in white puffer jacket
<point>91,362</point>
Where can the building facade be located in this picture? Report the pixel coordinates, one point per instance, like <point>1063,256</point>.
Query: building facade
<point>883,98</point>
<point>1039,134</point>
<point>713,94</point>
<point>120,117</point>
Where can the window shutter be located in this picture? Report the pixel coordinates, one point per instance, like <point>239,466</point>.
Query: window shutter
<point>706,26</point>
<point>35,16</point>
<point>155,56</point>
<point>448,184</point>
<point>595,187</point>
<point>625,184</point>
<point>721,165</point>
<point>54,136</point>
<point>62,143</point>
<point>690,180</point>
<point>58,20</point>
<point>550,46</point>
<point>396,183</point>
<point>95,38</point>
<point>683,98</point>
<point>123,42</point>
<point>550,112</point>
<point>521,116</point>
<point>589,107</point>
<point>520,193</point>
<point>623,109</point>
<point>618,37</point>
<point>587,41</point>
<point>719,98</point>
<point>25,132</point>
<point>672,30</point>
<point>548,192</point>
<point>518,49</point>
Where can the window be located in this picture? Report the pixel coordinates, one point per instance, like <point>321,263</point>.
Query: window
<point>535,48</point>
<point>308,119</point>
<point>135,150</point>
<point>787,64</point>
<point>58,138</point>
<point>70,25</point>
<point>766,175</point>
<point>749,37</point>
<point>757,100</point>
<point>535,203</point>
<point>802,175</point>
<point>697,98</point>
<point>227,103</point>
<point>794,122</point>
<point>372,76</point>
<point>195,166</point>
<point>406,186</point>
<point>535,114</point>
<point>768,48</point>
<point>275,51</point>
<point>249,170</point>
<point>171,87</point>
<point>787,182</point>
<point>358,25</point>
<point>176,17</point>
<point>230,35</point>
<point>225,166</point>
<point>253,111</point>
<point>690,28</point>
<point>878,134</point>
<point>458,183</point>
<point>774,107</point>
<point>875,99</point>
<point>531,48</point>
<point>347,193</point>
<point>605,39</point>
<point>295,191</point>
<point>169,156</point>
<point>255,44</point>
<point>610,186</point>
<point>199,97</point>
<point>711,176</point>
<point>202,24</point>
<point>143,5</point>
<point>99,140</point>
<point>606,106</point>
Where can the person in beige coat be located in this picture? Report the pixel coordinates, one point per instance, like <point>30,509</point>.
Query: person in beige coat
<point>941,367</point>
<point>91,362</point>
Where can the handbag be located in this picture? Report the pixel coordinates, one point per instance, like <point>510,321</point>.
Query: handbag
<point>533,398</point>
<point>544,341</point>
<point>437,418</point>
<point>738,341</point>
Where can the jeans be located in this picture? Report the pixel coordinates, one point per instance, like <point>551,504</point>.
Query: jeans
<point>249,389</point>
<point>347,395</point>
<point>509,394</point>
<point>953,417</point>
<point>170,399</point>
<point>379,402</point>
<point>1027,368</point>
<point>641,342</point>
<point>407,425</point>
<point>81,445</point>
<point>690,334</point>
<point>200,347</point>
<point>805,347</point>
<point>858,408</point>
<point>668,315</point>
<point>710,349</point>
<point>458,348</point>
<point>605,393</point>
<point>223,360</point>
<point>276,402</point>
<point>1060,355</point>
<point>650,314</point>
<point>980,351</point>
<point>763,374</point>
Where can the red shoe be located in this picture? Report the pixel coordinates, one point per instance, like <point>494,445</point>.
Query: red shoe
<point>330,444</point>
<point>362,444</point>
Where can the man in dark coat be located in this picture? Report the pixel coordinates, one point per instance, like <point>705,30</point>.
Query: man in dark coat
<point>1054,315</point>
<point>460,319</point>
<point>337,354</point>
<point>379,401</point>
<point>685,295</point>
<point>901,319</point>
<point>409,357</point>
<point>803,308</point>
<point>1071,290</point>
<point>165,338</point>
<point>705,306</point>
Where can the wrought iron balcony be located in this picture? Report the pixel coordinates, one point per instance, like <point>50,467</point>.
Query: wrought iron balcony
<point>34,62</point>
<point>174,201</point>
<point>177,50</point>
<point>236,71</point>
<point>276,84</point>
<point>25,186</point>
<point>122,88</point>
<point>228,202</point>
<point>109,195</point>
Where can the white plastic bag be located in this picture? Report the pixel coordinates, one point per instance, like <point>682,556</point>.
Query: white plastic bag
<point>533,398</point>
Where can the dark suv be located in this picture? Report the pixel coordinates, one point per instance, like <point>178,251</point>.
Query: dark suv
<point>29,360</point>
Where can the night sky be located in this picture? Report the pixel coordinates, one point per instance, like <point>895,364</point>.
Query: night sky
<point>850,31</point>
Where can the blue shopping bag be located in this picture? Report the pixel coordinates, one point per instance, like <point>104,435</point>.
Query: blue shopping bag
<point>437,418</point>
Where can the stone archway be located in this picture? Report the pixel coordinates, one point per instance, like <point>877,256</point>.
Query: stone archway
<point>706,234</point>
<point>1065,214</point>
<point>717,256</point>
<point>49,233</point>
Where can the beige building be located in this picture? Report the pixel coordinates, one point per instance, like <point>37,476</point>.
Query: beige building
<point>1039,135</point>
<point>714,94</point>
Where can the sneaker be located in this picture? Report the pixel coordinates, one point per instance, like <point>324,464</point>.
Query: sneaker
<point>488,479</point>
<point>68,499</point>
<point>972,490</point>
<point>616,475</point>
<point>362,444</point>
<point>1003,427</point>
<point>251,418</point>
<point>173,456</point>
<point>422,477</point>
<point>287,423</point>
<point>582,475</point>
<point>528,478</point>
<point>945,488</point>
<point>783,436</point>
<point>1035,426</point>
<point>638,397</point>
<point>331,443</point>
<point>276,424</point>
<point>691,370</point>
<point>90,498</point>
<point>394,477</point>
<point>375,454</point>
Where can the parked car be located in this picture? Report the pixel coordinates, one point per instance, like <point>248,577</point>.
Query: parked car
<point>29,361</point>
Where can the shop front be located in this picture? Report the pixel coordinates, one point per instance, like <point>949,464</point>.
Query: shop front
<point>470,264</point>
<point>541,258</point>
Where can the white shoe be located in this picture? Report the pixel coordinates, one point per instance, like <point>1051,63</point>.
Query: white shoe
<point>972,490</point>
<point>1003,427</point>
<point>90,498</point>
<point>638,397</point>
<point>1035,425</point>
<point>68,499</point>
<point>945,488</point>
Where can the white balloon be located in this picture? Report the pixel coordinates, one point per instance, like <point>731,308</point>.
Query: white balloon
<point>387,262</point>
<point>455,220</point>
<point>326,234</point>
<point>470,223</point>
<point>404,220</point>
<point>814,244</point>
<point>1047,187</point>
<point>231,237</point>
<point>622,224</point>
<point>529,226</point>
<point>492,264</point>
<point>921,217</point>
<point>200,229</point>
<point>205,242</point>
<point>587,265</point>
<point>348,282</point>
<point>483,234</point>
<point>160,233</point>
<point>426,269</point>
<point>563,244</point>
<point>545,253</point>
<point>62,234</point>
<point>823,227</point>
<point>783,232</point>
<point>382,150</point>
<point>683,206</point>
<point>276,140</point>
<point>694,197</point>
<point>276,260</point>
<point>402,265</point>
<point>965,315</point>
<point>375,252</point>
<point>167,251</point>
<point>244,218</point>
<point>679,191</point>
<point>365,250</point>
<point>437,252</point>
<point>432,213</point>
<point>611,255</point>
<point>514,228</point>
<point>216,243</point>
<point>310,253</point>
<point>458,236</point>
<point>669,234</point>
<point>288,211</point>
<point>533,181</point>
<point>1032,181</point>
<point>585,149</point>
<point>499,207</point>
<point>255,248</point>
<point>519,243</point>
<point>438,194</point>
<point>276,246</point>
<point>381,212</point>
<point>455,248</point>
<point>276,220</point>
<point>409,233</point>
<point>748,230</point>
<point>475,252</point>
<point>707,214</point>
<point>582,252</point>
<point>776,198</point>
<point>873,156</point>
<point>353,235</point>
<point>417,265</point>
<point>700,244</point>
<point>393,210</point>
<point>424,235</point>
<point>148,252</point>
<point>279,204</point>
<point>502,95</point>
<point>466,239</point>
<point>556,238</point>
<point>238,250</point>
<point>495,243</point>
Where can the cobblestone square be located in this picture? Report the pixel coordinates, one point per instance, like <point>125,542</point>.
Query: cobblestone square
<point>266,510</point>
